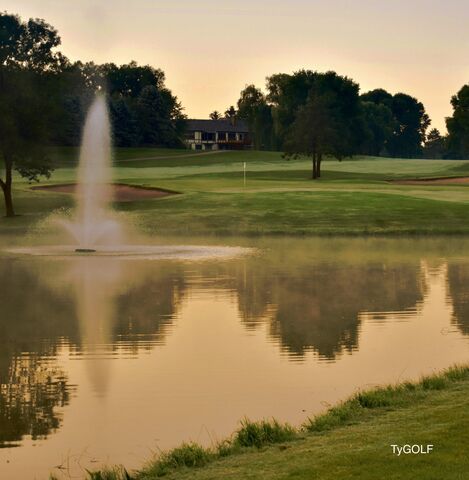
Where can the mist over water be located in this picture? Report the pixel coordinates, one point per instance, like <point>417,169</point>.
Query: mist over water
<point>110,357</point>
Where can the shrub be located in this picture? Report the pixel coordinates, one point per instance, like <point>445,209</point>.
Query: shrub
<point>258,434</point>
<point>187,455</point>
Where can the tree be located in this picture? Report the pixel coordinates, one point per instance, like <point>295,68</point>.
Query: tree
<point>230,112</point>
<point>435,145</point>
<point>74,92</point>
<point>458,124</point>
<point>28,65</point>
<point>215,115</point>
<point>315,114</point>
<point>410,122</point>
<point>315,131</point>
<point>253,108</point>
<point>378,96</point>
<point>125,124</point>
<point>160,118</point>
<point>130,79</point>
<point>378,127</point>
<point>287,93</point>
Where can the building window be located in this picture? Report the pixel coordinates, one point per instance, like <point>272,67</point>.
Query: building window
<point>208,137</point>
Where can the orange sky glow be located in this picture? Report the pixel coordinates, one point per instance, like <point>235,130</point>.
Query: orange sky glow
<point>210,49</point>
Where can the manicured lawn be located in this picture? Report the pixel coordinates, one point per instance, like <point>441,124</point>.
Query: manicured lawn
<point>321,212</point>
<point>355,196</point>
<point>352,440</point>
<point>363,451</point>
<point>66,156</point>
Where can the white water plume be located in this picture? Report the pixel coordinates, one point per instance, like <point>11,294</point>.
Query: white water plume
<point>94,224</point>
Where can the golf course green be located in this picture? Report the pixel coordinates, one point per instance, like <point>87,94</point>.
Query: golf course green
<point>357,196</point>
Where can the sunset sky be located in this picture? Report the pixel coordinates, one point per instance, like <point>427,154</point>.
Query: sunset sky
<point>211,49</point>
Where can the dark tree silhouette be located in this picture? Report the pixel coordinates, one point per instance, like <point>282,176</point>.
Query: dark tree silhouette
<point>215,115</point>
<point>435,145</point>
<point>28,67</point>
<point>230,112</point>
<point>253,108</point>
<point>378,127</point>
<point>326,123</point>
<point>458,124</point>
<point>410,122</point>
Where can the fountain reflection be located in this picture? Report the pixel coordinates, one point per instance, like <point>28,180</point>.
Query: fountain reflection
<point>96,283</point>
<point>94,309</point>
<point>61,312</point>
<point>121,307</point>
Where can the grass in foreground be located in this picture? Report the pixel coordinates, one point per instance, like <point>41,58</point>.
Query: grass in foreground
<point>351,440</point>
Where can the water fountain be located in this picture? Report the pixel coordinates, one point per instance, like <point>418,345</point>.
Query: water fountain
<point>94,227</point>
<point>94,223</point>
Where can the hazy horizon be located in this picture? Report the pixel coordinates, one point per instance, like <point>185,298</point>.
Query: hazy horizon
<point>210,51</point>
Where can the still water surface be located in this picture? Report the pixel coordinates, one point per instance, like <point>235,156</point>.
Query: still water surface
<point>109,360</point>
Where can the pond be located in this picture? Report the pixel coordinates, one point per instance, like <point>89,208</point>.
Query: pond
<point>109,360</point>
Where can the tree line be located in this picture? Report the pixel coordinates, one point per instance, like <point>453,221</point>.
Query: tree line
<point>323,114</point>
<point>44,98</point>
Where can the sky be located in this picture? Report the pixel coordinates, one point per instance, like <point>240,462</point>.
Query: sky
<point>211,49</point>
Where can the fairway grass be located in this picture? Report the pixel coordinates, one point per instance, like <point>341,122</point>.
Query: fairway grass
<point>354,197</point>
<point>351,440</point>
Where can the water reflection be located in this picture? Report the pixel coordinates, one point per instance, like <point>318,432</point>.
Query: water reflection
<point>31,390</point>
<point>120,352</point>
<point>95,308</point>
<point>146,310</point>
<point>121,307</point>
<point>32,385</point>
<point>317,307</point>
<point>458,285</point>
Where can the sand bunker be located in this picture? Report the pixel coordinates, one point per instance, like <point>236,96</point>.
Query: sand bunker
<point>435,181</point>
<point>121,192</point>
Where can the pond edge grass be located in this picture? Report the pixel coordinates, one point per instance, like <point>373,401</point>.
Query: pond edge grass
<point>257,435</point>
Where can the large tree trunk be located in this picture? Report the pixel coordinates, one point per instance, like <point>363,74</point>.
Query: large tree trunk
<point>10,212</point>
<point>318,166</point>
<point>6,187</point>
<point>315,167</point>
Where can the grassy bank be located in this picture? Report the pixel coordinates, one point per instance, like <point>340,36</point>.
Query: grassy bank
<point>356,196</point>
<point>351,440</point>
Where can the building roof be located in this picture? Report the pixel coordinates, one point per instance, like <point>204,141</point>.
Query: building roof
<point>212,126</point>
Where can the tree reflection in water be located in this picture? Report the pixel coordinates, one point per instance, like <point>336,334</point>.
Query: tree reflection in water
<point>458,288</point>
<point>317,307</point>
<point>95,308</point>
<point>102,308</point>
<point>32,384</point>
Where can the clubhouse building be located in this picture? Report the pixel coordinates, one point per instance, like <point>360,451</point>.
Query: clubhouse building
<point>223,134</point>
